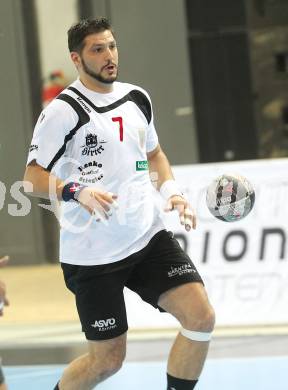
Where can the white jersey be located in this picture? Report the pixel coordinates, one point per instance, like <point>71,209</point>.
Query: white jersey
<point>101,140</point>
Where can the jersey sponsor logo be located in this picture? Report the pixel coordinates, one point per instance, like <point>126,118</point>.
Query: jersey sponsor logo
<point>33,147</point>
<point>93,180</point>
<point>86,180</point>
<point>142,165</point>
<point>92,146</point>
<point>83,104</point>
<point>181,270</point>
<point>91,164</point>
<point>91,172</point>
<point>104,325</point>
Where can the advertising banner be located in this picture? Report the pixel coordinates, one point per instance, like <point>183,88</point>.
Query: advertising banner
<point>244,264</point>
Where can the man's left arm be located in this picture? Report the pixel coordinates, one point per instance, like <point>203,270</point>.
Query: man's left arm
<point>160,171</point>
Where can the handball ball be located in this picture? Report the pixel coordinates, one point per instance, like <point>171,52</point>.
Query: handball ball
<point>230,197</point>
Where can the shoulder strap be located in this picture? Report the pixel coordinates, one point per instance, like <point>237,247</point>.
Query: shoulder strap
<point>135,96</point>
<point>83,119</point>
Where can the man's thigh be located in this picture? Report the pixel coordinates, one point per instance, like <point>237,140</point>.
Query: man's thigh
<point>99,300</point>
<point>186,301</point>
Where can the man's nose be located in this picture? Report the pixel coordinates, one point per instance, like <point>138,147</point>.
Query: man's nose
<point>109,53</point>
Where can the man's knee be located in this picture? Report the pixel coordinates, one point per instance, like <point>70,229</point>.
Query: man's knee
<point>104,364</point>
<point>202,320</point>
<point>190,305</point>
<point>110,363</point>
<point>199,328</point>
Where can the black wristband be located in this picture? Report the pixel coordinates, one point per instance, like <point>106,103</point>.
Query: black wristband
<point>69,191</point>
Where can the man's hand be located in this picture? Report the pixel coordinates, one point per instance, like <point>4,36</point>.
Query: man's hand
<point>3,299</point>
<point>97,202</point>
<point>186,214</point>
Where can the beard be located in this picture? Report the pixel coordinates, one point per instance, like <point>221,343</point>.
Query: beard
<point>98,76</point>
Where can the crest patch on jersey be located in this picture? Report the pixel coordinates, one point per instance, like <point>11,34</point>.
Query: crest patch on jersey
<point>92,145</point>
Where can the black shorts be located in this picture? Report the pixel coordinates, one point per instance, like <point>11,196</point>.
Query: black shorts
<point>98,289</point>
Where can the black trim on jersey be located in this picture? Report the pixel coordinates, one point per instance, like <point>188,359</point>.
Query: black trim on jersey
<point>135,96</point>
<point>83,119</point>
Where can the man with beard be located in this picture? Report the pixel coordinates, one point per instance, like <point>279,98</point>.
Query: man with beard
<point>95,145</point>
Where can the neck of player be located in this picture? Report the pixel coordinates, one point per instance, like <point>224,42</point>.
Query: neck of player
<point>95,85</point>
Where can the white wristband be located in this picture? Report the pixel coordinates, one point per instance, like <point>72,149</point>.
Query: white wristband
<point>169,188</point>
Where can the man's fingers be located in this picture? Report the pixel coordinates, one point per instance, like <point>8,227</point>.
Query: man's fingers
<point>114,197</point>
<point>99,215</point>
<point>100,206</point>
<point>181,210</point>
<point>187,216</point>
<point>106,206</point>
<point>98,200</point>
<point>189,219</point>
<point>108,196</point>
<point>106,200</point>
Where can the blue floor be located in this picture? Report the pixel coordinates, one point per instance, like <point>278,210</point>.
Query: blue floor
<point>263,373</point>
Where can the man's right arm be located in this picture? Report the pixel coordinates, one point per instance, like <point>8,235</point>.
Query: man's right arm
<point>44,184</point>
<point>48,186</point>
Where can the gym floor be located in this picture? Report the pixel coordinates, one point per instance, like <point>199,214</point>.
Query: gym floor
<point>37,341</point>
<point>251,363</point>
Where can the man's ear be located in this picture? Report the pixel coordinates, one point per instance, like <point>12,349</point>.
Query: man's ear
<point>75,57</point>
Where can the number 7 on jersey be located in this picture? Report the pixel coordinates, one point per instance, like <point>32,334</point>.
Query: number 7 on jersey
<point>119,119</point>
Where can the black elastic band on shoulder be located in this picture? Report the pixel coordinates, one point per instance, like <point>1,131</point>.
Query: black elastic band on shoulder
<point>82,114</point>
<point>135,96</point>
<point>83,119</point>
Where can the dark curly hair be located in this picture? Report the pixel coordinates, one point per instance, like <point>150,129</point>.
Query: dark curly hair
<point>79,31</point>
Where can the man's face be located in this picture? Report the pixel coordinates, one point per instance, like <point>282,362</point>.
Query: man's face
<point>99,57</point>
